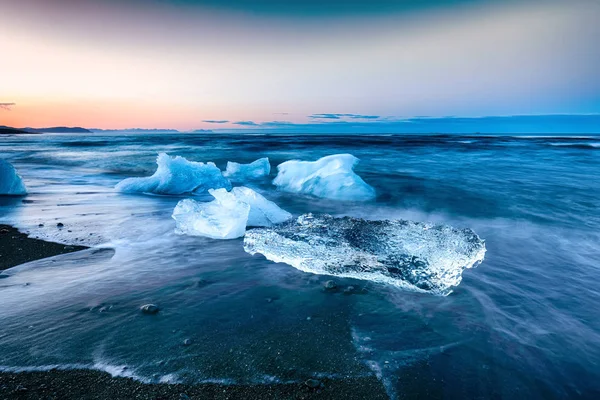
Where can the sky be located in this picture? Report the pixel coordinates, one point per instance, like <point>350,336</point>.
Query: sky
<point>311,64</point>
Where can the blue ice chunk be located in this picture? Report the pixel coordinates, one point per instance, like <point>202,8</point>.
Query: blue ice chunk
<point>227,216</point>
<point>245,172</point>
<point>330,177</point>
<point>11,183</point>
<point>176,175</point>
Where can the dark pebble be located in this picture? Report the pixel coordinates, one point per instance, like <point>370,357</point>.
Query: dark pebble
<point>60,225</point>
<point>312,383</point>
<point>20,389</point>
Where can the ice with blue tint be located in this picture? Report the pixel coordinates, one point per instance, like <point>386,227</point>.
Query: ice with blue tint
<point>227,216</point>
<point>223,218</point>
<point>244,172</point>
<point>176,175</point>
<point>410,255</point>
<point>330,177</point>
<point>11,183</point>
<point>262,211</point>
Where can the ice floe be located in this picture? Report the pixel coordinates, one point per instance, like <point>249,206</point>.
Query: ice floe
<point>176,175</point>
<point>330,177</point>
<point>11,183</point>
<point>227,216</point>
<point>243,172</point>
<point>411,255</point>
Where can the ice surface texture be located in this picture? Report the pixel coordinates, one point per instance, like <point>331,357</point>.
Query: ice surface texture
<point>244,172</point>
<point>176,175</point>
<point>330,177</point>
<point>11,183</point>
<point>227,216</point>
<point>411,255</point>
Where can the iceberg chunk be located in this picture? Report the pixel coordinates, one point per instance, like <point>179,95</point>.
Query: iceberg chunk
<point>227,216</point>
<point>262,211</point>
<point>330,177</point>
<point>223,218</point>
<point>176,175</point>
<point>411,255</point>
<point>243,172</point>
<point>11,183</point>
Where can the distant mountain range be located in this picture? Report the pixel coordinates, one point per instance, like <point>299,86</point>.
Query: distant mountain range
<point>56,129</point>
<point>133,130</point>
<point>141,130</point>
<point>7,130</point>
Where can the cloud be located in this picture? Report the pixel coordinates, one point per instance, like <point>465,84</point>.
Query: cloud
<point>6,106</point>
<point>246,123</point>
<point>275,124</point>
<point>215,121</point>
<point>503,125</point>
<point>342,116</point>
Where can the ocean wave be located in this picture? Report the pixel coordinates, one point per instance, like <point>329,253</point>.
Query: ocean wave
<point>582,145</point>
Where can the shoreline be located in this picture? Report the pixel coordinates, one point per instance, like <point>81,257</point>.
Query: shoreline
<point>98,385</point>
<point>63,384</point>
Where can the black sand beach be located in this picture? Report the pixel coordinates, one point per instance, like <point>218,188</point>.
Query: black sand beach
<point>79,384</point>
<point>16,248</point>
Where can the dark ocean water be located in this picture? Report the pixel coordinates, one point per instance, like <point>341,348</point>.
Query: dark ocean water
<point>523,324</point>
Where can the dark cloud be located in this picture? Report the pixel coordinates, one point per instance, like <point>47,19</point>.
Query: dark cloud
<point>6,106</point>
<point>246,123</point>
<point>340,116</point>
<point>215,121</point>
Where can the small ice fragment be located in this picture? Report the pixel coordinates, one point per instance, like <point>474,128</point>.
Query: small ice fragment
<point>330,177</point>
<point>243,172</point>
<point>11,183</point>
<point>176,175</point>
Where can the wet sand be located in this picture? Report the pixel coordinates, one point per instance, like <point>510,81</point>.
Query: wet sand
<point>82,384</point>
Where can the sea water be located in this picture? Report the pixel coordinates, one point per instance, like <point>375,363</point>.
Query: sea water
<point>524,323</point>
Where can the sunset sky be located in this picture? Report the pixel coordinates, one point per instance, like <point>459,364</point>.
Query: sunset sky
<point>189,64</point>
